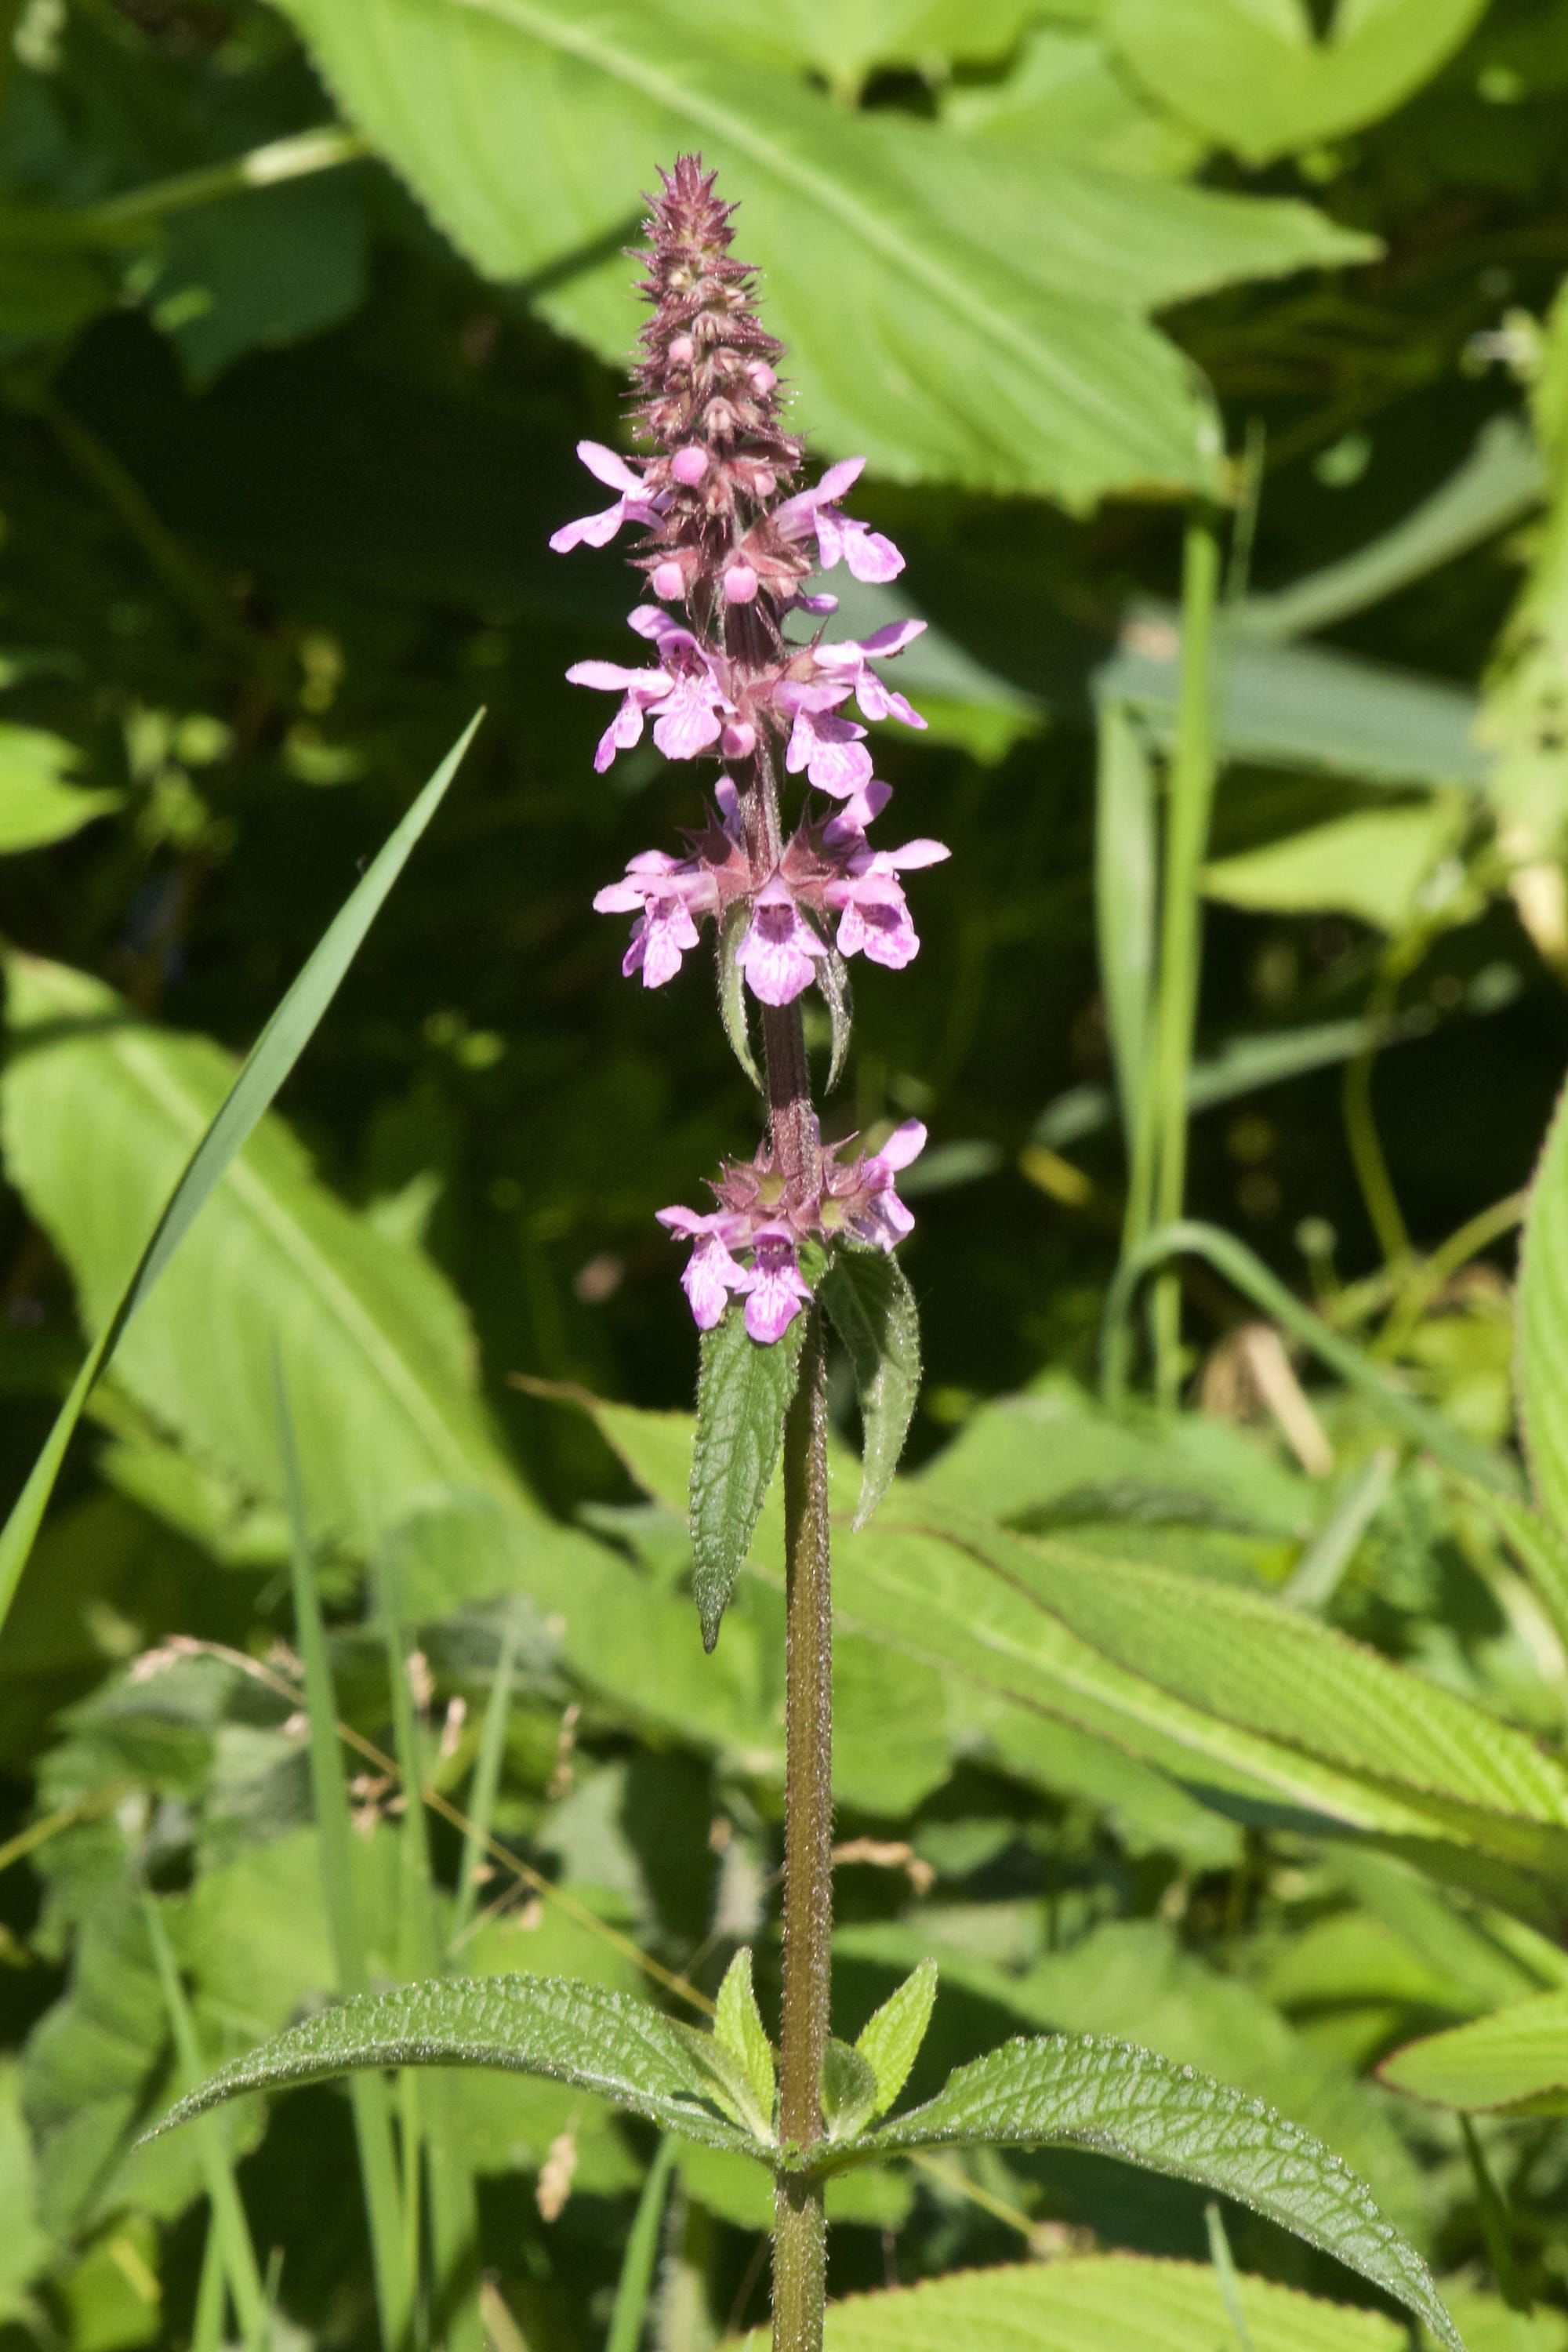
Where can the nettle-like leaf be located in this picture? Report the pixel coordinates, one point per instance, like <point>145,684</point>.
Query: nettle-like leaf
<point>1542,1363</point>
<point>867,1296</point>
<point>733,1012</point>
<point>952,311</point>
<point>849,2091</point>
<point>1116,2301</point>
<point>890,2041</point>
<point>1515,2061</point>
<point>1084,2092</point>
<point>579,2035</point>
<point>743,1392</point>
<point>738,2030</point>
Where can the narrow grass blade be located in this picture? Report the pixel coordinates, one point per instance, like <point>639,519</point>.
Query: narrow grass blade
<point>1226,2278</point>
<point>1494,2224</point>
<point>1412,1419</point>
<point>1315,1579</point>
<point>228,2220</point>
<point>482,1795</point>
<point>270,1059</point>
<point>636,2282</point>
<point>1125,881</point>
<point>368,2093</point>
<point>211,2294</point>
<point>456,2320</point>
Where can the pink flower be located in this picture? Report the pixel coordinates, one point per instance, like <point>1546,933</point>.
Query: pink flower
<point>684,692</point>
<point>634,504</point>
<point>780,948</point>
<point>829,748</point>
<point>711,1274</point>
<point>870,555</point>
<point>850,659</point>
<point>872,1207</point>
<point>875,921</point>
<point>667,894</point>
<point>775,1288</point>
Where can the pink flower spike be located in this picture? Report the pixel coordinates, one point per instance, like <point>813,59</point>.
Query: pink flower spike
<point>634,504</point>
<point>850,662</point>
<point>779,948</point>
<point>777,1289</point>
<point>644,688</point>
<point>688,721</point>
<point>668,895</point>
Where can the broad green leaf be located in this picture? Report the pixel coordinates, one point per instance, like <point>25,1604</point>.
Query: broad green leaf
<point>1370,864</point>
<point>1124,2102</point>
<point>738,2027</point>
<point>1541,1359</point>
<point>743,1392</point>
<point>38,803</point>
<point>1066,96</point>
<point>867,1296</point>
<point>1099,2303</point>
<point>849,2091</point>
<point>953,313</point>
<point>99,1112</point>
<point>578,2034</point>
<point>1516,2059</point>
<point>277,1050</point>
<point>24,2251</point>
<point>890,2041</point>
<point>1253,76</point>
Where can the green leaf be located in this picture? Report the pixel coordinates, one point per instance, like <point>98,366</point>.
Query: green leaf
<point>579,2034</point>
<point>1541,1361</point>
<point>39,804</point>
<point>733,990</point>
<point>1541,1548</point>
<point>1370,864</point>
<point>272,1057</point>
<point>1114,2303</point>
<point>1516,2059</point>
<point>849,2091</point>
<point>889,2041</point>
<point>867,1296</point>
<point>1252,75</point>
<point>743,1392</point>
<point>1124,2102</point>
<point>951,311</point>
<point>1125,870</point>
<point>1065,94</point>
<point>833,987</point>
<point>738,2028</point>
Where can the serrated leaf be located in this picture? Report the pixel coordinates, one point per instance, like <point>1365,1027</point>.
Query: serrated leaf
<point>1516,2059</point>
<point>743,1392</point>
<point>849,2091</point>
<point>1541,1548</point>
<point>738,2028</point>
<point>890,2040</point>
<point>733,992</point>
<point>213,1146</point>
<point>1542,1360</point>
<point>832,981</point>
<point>579,2034</point>
<point>996,310</point>
<point>1115,2303</point>
<point>1124,2102</point>
<point>867,1296</point>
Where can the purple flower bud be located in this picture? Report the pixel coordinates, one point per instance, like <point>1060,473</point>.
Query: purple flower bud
<point>689,465</point>
<point>739,583</point>
<point>668,581</point>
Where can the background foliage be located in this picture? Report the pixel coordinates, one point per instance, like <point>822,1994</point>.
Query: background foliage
<point>1234,1732</point>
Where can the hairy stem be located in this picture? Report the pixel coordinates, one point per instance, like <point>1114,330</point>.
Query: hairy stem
<point>800,2239</point>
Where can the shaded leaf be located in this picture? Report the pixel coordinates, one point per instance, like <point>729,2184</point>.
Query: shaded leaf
<point>1122,2101</point>
<point>1370,864</point>
<point>743,1392</point>
<point>867,1296</point>
<point>733,992</point>
<point>1516,2059</point>
<point>889,2041</point>
<point>848,2089</point>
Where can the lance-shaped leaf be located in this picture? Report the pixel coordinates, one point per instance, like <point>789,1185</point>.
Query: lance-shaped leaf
<point>579,2035</point>
<point>1516,2059</point>
<point>873,1308</point>
<point>743,1392</point>
<point>732,925</point>
<point>1083,2091</point>
<point>738,2030</point>
<point>890,2041</point>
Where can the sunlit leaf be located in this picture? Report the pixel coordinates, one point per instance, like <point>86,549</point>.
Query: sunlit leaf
<point>743,1392</point>
<point>1515,2059</point>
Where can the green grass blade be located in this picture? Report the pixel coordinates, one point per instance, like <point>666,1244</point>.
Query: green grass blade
<point>1125,878</point>
<point>1226,2278</point>
<point>635,2282</point>
<point>456,2322</point>
<point>270,1060</point>
<point>227,2212</point>
<point>482,1795</point>
<point>211,2294</point>
<point>1231,1258</point>
<point>368,2093</point>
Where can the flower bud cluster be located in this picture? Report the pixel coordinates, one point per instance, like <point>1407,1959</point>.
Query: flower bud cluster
<point>743,675</point>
